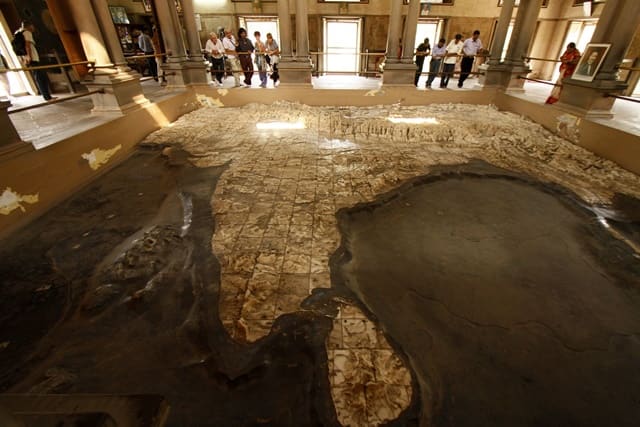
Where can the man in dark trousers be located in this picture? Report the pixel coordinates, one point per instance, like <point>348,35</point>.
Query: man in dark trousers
<point>422,51</point>
<point>471,47</point>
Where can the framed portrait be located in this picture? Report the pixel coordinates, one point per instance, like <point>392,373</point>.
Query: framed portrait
<point>147,5</point>
<point>590,61</point>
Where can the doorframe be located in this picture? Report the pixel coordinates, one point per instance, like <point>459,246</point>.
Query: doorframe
<point>322,59</point>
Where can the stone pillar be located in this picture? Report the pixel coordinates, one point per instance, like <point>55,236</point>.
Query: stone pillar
<point>523,30</point>
<point>10,142</point>
<point>111,38</point>
<point>501,31</point>
<point>617,25</point>
<point>411,26</point>
<point>395,32</point>
<point>297,70</point>
<point>172,39</point>
<point>193,38</point>
<point>196,66</point>
<point>495,72</point>
<point>179,70</point>
<point>121,86</point>
<point>284,21</point>
<point>399,72</point>
<point>302,30</point>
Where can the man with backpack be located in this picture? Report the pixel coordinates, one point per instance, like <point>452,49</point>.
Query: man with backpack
<point>24,47</point>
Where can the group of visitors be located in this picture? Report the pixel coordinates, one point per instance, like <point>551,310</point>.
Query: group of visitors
<point>237,54</point>
<point>444,59</point>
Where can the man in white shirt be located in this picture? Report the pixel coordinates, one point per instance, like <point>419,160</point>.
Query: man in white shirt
<point>215,49</point>
<point>471,47</point>
<point>229,43</point>
<point>32,59</point>
<point>454,49</point>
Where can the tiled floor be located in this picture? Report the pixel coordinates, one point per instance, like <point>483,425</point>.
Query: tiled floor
<point>51,123</point>
<point>275,206</point>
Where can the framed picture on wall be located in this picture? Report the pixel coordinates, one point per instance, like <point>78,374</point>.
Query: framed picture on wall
<point>591,61</point>
<point>147,5</point>
<point>119,14</point>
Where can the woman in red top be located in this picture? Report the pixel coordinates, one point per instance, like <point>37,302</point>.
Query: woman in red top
<point>569,60</point>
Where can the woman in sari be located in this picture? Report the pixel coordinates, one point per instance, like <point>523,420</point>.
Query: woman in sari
<point>569,60</point>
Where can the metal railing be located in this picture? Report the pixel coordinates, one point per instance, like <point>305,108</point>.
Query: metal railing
<point>54,101</point>
<point>624,98</point>
<point>91,64</point>
<point>532,58</point>
<point>151,55</point>
<point>538,80</point>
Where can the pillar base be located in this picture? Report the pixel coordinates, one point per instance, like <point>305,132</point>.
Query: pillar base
<point>586,99</point>
<point>495,75</point>
<point>122,92</point>
<point>10,142</point>
<point>295,73</point>
<point>180,74</point>
<point>399,74</point>
<point>503,75</point>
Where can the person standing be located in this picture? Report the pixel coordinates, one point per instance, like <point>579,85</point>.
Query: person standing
<point>437,55</point>
<point>273,57</point>
<point>568,62</point>
<point>245,49</point>
<point>215,49</point>
<point>260,59</point>
<point>30,58</point>
<point>422,51</point>
<point>470,49</point>
<point>146,45</point>
<point>454,49</point>
<point>229,43</point>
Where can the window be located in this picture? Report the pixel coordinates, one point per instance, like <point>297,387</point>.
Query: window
<point>437,2</point>
<point>545,3</point>
<point>263,24</point>
<point>343,1</point>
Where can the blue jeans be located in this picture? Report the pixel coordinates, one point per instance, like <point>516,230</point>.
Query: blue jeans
<point>447,72</point>
<point>434,67</point>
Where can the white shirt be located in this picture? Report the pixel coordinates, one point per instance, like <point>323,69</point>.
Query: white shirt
<point>471,47</point>
<point>453,47</point>
<point>210,46</point>
<point>28,38</point>
<point>144,43</point>
<point>229,44</point>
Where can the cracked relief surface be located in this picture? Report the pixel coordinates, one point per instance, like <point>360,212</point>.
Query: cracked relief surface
<point>275,209</point>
